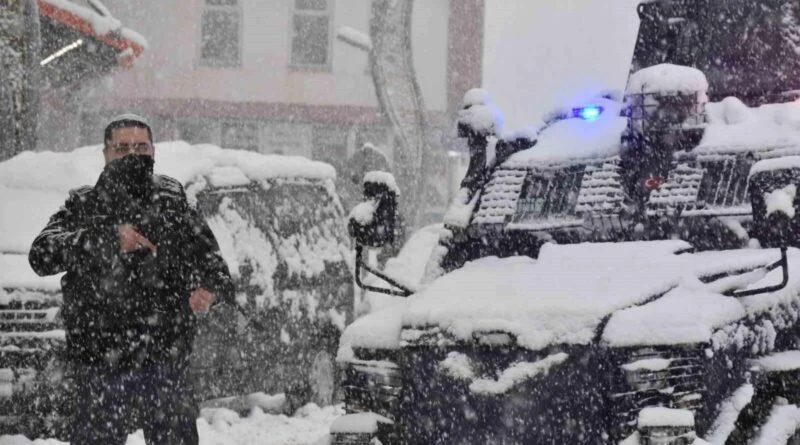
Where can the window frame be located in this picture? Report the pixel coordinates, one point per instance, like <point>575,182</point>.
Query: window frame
<point>216,63</point>
<point>328,12</point>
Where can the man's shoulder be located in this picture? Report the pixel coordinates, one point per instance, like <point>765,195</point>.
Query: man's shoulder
<point>167,183</point>
<point>80,194</point>
<point>169,186</point>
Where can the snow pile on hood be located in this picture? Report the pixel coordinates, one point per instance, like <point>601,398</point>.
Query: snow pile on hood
<point>559,298</point>
<point>732,126</point>
<point>667,78</point>
<point>575,138</point>
<point>649,294</point>
<point>682,316</point>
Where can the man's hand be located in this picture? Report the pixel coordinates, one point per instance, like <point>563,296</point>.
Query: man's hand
<point>201,300</point>
<point>130,240</point>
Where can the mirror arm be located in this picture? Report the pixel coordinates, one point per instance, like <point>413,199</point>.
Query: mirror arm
<point>784,264</point>
<point>401,290</point>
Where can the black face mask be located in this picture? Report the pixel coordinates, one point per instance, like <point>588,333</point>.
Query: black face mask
<point>131,175</point>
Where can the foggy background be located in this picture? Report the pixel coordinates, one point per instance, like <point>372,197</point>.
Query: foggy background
<point>541,54</point>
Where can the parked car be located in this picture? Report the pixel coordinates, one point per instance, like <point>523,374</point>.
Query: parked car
<point>282,231</point>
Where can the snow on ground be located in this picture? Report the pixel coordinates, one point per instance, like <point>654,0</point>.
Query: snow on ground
<point>220,426</point>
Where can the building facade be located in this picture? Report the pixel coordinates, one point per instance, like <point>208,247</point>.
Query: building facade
<point>271,75</point>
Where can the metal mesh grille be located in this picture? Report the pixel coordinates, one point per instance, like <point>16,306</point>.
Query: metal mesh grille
<point>677,384</point>
<point>548,193</point>
<point>725,181</point>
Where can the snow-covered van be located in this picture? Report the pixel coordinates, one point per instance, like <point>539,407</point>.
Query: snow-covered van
<point>282,231</point>
<point>628,273</point>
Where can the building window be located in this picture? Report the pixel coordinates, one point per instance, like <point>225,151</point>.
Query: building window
<point>220,39</point>
<point>311,33</point>
<point>243,135</point>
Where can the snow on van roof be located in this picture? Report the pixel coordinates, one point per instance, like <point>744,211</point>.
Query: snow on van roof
<point>185,162</point>
<point>34,184</point>
<point>562,297</point>
<point>575,139</point>
<point>733,126</point>
<point>667,78</point>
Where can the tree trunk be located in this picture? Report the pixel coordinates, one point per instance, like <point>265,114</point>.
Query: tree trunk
<point>400,99</point>
<point>19,76</point>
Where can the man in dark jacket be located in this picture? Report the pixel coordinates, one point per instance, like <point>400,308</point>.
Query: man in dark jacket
<point>139,263</point>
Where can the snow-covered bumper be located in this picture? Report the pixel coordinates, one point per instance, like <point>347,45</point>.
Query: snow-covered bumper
<point>486,393</point>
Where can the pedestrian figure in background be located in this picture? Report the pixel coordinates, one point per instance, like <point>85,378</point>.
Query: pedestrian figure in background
<point>139,263</point>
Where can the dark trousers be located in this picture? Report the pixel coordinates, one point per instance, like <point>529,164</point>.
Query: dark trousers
<point>110,404</point>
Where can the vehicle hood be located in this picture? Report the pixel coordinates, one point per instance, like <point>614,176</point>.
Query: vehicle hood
<point>616,293</point>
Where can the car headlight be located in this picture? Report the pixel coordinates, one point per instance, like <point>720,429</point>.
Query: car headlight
<point>372,386</point>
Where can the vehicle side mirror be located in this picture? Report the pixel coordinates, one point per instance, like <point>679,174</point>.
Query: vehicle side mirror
<point>772,185</point>
<point>372,222</point>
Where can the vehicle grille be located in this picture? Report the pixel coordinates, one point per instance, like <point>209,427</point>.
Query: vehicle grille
<point>649,377</point>
<point>549,192</point>
<point>31,336</point>
<point>724,183</point>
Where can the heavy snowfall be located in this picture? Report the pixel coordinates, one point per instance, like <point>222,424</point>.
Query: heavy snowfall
<point>320,222</point>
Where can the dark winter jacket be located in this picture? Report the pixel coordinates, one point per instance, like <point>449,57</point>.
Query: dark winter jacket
<point>128,309</point>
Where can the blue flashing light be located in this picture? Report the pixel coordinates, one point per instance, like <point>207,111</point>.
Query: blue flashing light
<point>588,113</point>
